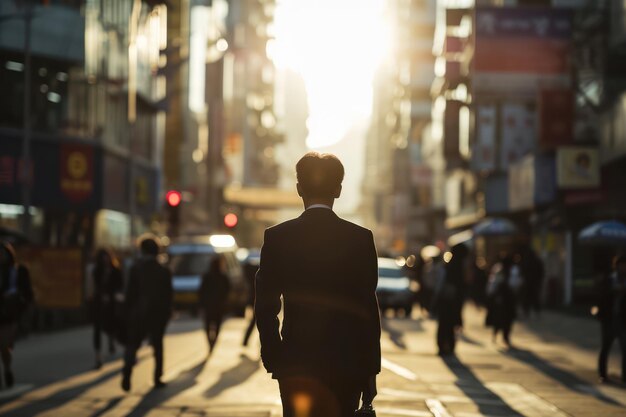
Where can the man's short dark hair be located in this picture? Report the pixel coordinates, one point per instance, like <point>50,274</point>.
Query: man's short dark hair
<point>149,246</point>
<point>319,174</point>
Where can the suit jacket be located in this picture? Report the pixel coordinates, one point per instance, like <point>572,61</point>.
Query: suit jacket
<point>326,270</point>
<point>149,294</point>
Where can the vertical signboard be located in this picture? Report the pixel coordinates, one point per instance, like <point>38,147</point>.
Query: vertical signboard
<point>484,153</point>
<point>517,133</point>
<point>556,117</point>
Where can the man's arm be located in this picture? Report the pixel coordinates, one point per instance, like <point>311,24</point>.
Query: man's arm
<point>267,304</point>
<point>373,325</point>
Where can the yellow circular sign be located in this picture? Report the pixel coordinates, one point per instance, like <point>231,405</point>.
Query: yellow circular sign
<point>77,165</point>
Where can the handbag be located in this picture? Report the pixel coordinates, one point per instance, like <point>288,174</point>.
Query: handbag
<point>365,410</point>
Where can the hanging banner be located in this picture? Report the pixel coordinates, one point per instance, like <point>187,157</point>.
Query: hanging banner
<point>484,153</point>
<point>517,133</point>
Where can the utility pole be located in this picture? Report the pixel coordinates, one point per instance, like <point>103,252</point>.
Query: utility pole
<point>132,113</point>
<point>26,165</point>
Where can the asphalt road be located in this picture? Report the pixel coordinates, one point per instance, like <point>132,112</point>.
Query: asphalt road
<point>551,372</point>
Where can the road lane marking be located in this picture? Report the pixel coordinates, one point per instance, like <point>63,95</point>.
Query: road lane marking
<point>436,408</point>
<point>403,412</point>
<point>523,401</point>
<point>398,370</point>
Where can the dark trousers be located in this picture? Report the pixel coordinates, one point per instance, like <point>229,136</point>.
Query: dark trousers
<point>97,336</point>
<point>249,330</point>
<point>212,326</point>
<point>446,339</point>
<point>505,327</point>
<point>313,397</point>
<point>154,333</point>
<point>609,333</point>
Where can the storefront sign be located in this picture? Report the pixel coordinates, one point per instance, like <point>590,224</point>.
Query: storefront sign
<point>77,173</point>
<point>578,167</point>
<point>56,275</point>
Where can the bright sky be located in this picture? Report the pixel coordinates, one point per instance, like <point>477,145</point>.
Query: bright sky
<point>336,46</point>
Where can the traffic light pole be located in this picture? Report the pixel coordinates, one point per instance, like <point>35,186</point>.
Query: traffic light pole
<point>25,166</point>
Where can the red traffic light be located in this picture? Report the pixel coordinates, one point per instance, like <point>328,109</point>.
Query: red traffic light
<point>173,198</point>
<point>231,220</point>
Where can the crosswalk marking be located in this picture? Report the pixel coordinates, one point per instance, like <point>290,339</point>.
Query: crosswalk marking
<point>437,409</point>
<point>524,401</point>
<point>398,370</point>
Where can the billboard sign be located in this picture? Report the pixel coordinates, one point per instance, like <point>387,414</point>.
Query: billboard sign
<point>521,48</point>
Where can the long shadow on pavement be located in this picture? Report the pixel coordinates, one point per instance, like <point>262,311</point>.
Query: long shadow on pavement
<point>60,398</point>
<point>565,378</point>
<point>234,376</point>
<point>153,399</point>
<point>488,402</point>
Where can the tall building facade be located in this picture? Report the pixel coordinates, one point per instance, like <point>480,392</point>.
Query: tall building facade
<point>523,111</point>
<point>394,170</point>
<point>88,152</point>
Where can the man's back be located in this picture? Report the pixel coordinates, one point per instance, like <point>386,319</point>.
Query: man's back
<point>150,290</point>
<point>326,270</point>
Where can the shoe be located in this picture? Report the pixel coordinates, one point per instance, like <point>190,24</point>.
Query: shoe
<point>126,383</point>
<point>8,379</point>
<point>158,384</point>
<point>98,364</point>
<point>604,380</point>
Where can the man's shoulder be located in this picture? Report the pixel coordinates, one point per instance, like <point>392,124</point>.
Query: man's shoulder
<point>293,224</point>
<point>355,228</point>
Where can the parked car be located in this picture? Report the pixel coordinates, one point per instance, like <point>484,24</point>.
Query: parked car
<point>189,259</point>
<point>394,289</point>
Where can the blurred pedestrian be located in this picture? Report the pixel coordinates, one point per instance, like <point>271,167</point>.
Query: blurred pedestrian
<point>327,354</point>
<point>16,295</point>
<point>611,311</point>
<point>501,300</point>
<point>107,286</point>
<point>434,270</point>
<point>448,300</point>
<point>213,294</point>
<point>149,297</point>
<point>533,272</point>
<point>250,268</point>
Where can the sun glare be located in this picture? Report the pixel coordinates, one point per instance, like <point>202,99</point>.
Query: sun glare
<point>336,46</point>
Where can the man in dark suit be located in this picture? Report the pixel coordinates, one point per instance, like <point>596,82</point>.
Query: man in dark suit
<point>149,297</point>
<point>325,268</point>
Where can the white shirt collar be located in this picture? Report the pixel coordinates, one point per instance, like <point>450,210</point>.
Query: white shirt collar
<point>312,206</point>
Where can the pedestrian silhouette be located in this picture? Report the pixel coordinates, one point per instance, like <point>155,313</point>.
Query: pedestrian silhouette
<point>15,295</point>
<point>213,294</point>
<point>532,271</point>
<point>611,311</point>
<point>501,300</point>
<point>448,300</point>
<point>107,285</point>
<point>325,269</point>
<point>149,297</point>
<point>250,267</point>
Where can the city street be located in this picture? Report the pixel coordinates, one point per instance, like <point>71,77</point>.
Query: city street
<point>550,373</point>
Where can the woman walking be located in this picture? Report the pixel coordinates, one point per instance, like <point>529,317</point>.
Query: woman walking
<point>502,303</point>
<point>213,294</point>
<point>15,295</point>
<point>108,283</point>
